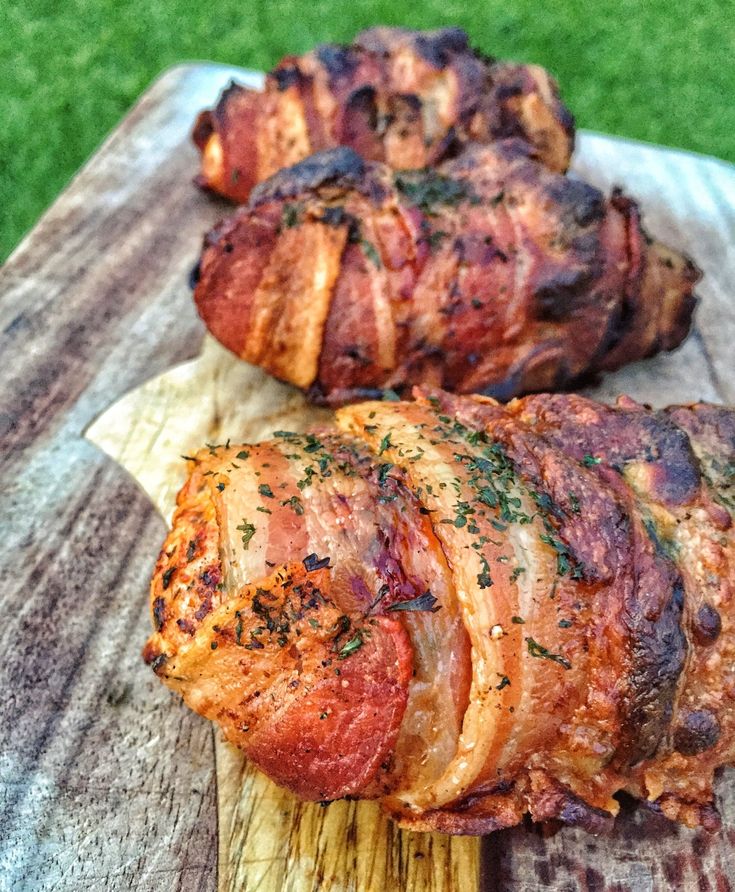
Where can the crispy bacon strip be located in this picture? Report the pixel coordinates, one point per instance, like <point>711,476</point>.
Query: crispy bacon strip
<point>488,274</point>
<point>397,96</point>
<point>466,610</point>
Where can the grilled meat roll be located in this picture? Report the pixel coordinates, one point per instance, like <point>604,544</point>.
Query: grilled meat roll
<point>465,610</point>
<point>398,96</point>
<point>487,274</point>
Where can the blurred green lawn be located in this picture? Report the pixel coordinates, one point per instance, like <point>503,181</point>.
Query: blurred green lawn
<point>658,70</point>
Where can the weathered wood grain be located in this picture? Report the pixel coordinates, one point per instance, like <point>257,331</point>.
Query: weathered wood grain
<point>105,782</point>
<point>93,793</point>
<point>645,853</point>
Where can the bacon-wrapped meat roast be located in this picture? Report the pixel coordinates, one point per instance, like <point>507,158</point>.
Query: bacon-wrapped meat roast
<point>486,274</point>
<point>403,97</point>
<point>467,611</point>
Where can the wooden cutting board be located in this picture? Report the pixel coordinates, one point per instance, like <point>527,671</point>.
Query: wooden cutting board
<point>106,782</point>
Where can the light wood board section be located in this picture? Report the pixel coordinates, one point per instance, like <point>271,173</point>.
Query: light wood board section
<point>106,782</point>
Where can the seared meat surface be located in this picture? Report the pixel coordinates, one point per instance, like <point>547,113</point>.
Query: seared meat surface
<point>406,98</point>
<point>486,274</point>
<point>466,610</point>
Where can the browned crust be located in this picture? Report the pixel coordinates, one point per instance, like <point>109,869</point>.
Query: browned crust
<point>488,274</point>
<point>676,468</point>
<point>403,97</point>
<point>654,314</point>
<point>635,690</point>
<point>610,545</point>
<point>339,168</point>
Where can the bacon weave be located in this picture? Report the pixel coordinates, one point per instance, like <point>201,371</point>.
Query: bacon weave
<point>406,98</point>
<point>467,611</point>
<point>487,274</point>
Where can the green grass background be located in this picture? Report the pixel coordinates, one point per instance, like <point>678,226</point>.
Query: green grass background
<point>658,70</point>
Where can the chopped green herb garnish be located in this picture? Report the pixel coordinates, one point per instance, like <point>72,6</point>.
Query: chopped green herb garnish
<point>248,531</point>
<point>590,460</point>
<point>371,252</point>
<point>423,602</point>
<point>435,238</point>
<point>291,215</point>
<point>664,545</point>
<point>427,189</point>
<point>484,580</point>
<point>265,490</point>
<point>306,480</point>
<point>295,504</point>
<point>384,443</point>
<point>565,561</point>
<point>354,644</point>
<point>538,650</point>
